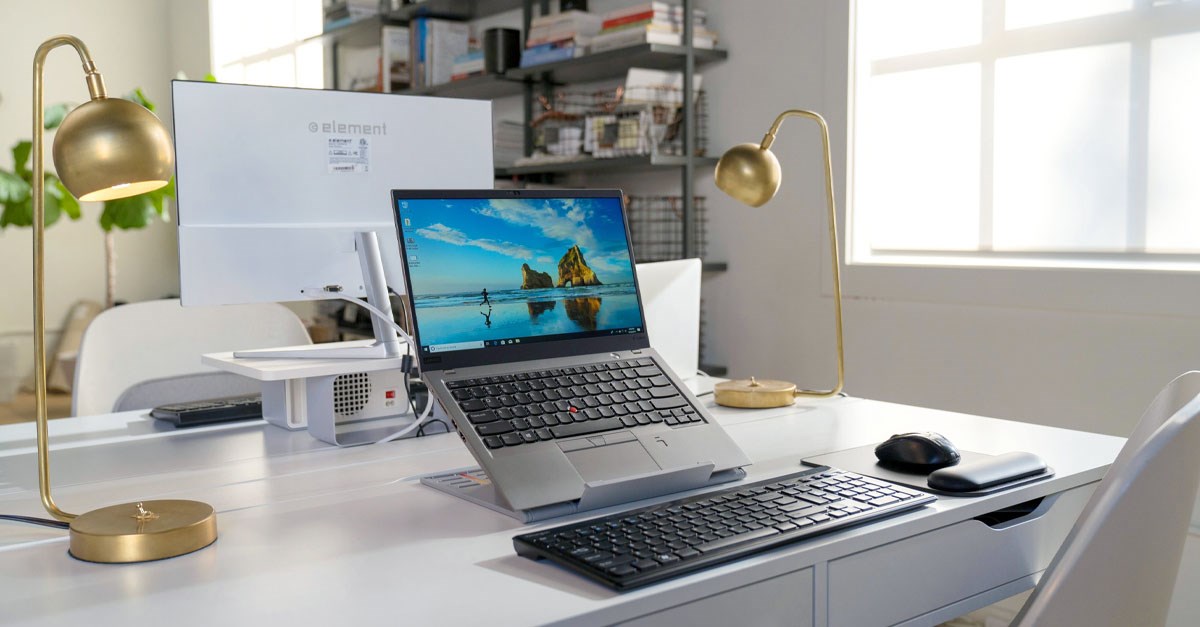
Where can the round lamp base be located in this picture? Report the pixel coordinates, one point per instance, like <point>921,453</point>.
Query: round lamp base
<point>754,393</point>
<point>142,532</point>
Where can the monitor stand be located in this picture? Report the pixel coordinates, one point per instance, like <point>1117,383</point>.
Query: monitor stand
<point>387,342</point>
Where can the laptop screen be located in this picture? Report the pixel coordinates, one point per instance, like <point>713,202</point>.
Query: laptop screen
<point>516,269</point>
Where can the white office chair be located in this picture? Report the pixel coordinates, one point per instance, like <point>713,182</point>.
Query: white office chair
<point>147,354</point>
<point>1118,565</point>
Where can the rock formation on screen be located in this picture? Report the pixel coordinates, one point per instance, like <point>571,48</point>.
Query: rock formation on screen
<point>539,308</point>
<point>583,311</point>
<point>532,279</point>
<point>574,271</point>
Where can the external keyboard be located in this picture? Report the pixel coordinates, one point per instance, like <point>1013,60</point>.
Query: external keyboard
<point>528,407</point>
<point>643,546</point>
<point>215,410</point>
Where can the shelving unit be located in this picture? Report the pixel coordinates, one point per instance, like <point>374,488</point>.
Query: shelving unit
<point>541,79</point>
<point>616,164</point>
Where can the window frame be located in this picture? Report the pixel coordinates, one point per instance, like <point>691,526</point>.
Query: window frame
<point>1120,283</point>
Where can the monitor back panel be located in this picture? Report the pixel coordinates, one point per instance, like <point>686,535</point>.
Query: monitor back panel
<point>273,182</point>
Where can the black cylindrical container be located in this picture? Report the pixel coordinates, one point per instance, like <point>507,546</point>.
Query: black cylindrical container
<point>501,49</point>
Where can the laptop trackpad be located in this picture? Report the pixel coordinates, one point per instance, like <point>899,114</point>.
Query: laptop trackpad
<point>613,461</point>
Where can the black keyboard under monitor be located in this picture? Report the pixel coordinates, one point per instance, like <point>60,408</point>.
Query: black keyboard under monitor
<point>209,411</point>
<point>647,545</point>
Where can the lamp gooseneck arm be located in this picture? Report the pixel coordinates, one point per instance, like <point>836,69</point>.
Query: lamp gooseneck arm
<point>96,89</point>
<point>769,139</point>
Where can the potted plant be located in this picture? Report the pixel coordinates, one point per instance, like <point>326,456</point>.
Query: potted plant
<point>135,212</point>
<point>16,200</point>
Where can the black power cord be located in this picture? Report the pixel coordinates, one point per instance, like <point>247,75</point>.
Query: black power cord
<point>45,522</point>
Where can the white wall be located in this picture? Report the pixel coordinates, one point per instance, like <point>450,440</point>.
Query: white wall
<point>135,43</point>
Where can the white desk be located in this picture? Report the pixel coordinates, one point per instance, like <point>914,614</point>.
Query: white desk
<point>315,535</point>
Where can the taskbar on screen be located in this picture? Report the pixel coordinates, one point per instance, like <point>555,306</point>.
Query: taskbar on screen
<point>458,346</point>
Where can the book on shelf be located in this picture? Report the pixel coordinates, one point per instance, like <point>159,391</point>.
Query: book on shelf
<point>395,50</point>
<point>626,37</point>
<point>508,138</point>
<point>655,6</point>
<point>434,45</point>
<point>552,52</point>
<point>657,16</point>
<point>651,23</point>
<point>358,68</point>
<point>560,26</point>
<point>467,65</point>
<point>339,13</point>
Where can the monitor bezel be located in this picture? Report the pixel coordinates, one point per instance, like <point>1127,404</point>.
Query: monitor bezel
<point>571,347</point>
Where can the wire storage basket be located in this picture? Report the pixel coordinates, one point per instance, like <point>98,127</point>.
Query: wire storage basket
<point>614,123</point>
<point>656,227</point>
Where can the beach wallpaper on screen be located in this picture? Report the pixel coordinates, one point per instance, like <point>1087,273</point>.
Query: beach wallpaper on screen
<point>491,270</point>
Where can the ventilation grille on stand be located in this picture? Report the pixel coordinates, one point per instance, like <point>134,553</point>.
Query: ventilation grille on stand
<point>351,393</point>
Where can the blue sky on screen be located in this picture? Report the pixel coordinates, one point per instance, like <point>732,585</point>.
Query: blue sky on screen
<point>468,244</point>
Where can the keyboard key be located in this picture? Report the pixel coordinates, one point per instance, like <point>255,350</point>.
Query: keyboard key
<point>511,439</point>
<point>624,570</point>
<point>494,428</point>
<point>669,403</point>
<point>472,405</point>
<point>493,441</point>
<point>481,417</point>
<point>735,540</point>
<point>582,428</point>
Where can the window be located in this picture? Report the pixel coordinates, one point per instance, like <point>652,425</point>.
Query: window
<point>263,42</point>
<point>1025,133</point>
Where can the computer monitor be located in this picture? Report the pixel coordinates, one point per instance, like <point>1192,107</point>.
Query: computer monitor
<point>273,183</point>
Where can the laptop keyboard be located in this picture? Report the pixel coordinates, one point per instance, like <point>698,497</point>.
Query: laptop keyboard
<point>540,405</point>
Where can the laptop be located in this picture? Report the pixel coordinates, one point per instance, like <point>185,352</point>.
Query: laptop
<point>529,330</point>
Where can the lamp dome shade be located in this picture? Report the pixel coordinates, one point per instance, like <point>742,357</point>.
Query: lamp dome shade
<point>111,148</point>
<point>749,173</point>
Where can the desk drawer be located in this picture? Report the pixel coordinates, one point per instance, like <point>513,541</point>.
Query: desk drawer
<point>911,577</point>
<point>783,600</point>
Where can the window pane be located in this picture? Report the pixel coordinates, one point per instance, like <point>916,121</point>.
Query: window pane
<point>916,159</point>
<point>887,28</point>
<point>1173,197</point>
<point>310,65</point>
<point>1061,150</point>
<point>1022,13</point>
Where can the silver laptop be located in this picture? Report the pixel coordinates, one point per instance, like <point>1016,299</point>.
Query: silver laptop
<point>529,330</point>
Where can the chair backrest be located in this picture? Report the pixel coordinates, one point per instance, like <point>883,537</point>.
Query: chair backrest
<point>1118,565</point>
<point>161,339</point>
<point>671,301</point>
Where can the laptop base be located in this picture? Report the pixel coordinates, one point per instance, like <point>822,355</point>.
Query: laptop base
<point>473,485</point>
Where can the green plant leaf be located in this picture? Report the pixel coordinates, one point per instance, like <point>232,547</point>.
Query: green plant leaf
<point>66,200</point>
<point>55,114</point>
<point>139,97</point>
<point>13,188</point>
<point>53,206</point>
<point>20,153</point>
<point>9,216</point>
<point>134,212</point>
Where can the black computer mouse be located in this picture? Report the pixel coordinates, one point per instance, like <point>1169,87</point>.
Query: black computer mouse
<point>924,450</point>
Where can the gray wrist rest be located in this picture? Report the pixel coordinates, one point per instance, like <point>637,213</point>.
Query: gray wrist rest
<point>985,473</point>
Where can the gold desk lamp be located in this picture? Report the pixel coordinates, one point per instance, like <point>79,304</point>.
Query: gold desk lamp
<point>106,148</point>
<point>750,173</point>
